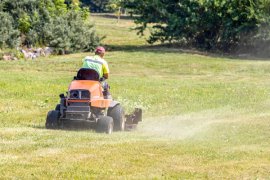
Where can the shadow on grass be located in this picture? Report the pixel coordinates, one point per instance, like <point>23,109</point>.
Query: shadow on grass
<point>112,16</point>
<point>75,126</point>
<point>172,48</point>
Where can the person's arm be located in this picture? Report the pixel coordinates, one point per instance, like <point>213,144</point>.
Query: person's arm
<point>106,76</point>
<point>106,70</point>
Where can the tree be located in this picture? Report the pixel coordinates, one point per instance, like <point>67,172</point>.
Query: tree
<point>73,4</point>
<point>116,7</point>
<point>206,24</point>
<point>96,5</point>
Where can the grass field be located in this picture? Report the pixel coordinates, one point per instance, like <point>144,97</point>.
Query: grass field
<point>204,117</point>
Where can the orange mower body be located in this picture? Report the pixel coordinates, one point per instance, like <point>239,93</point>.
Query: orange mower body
<point>97,99</point>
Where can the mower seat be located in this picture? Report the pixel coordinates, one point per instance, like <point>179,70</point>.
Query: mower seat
<point>87,74</point>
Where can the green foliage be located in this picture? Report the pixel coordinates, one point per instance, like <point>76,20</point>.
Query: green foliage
<point>55,23</point>
<point>85,13</point>
<point>102,5</point>
<point>96,5</point>
<point>266,6</point>
<point>9,36</point>
<point>114,5</point>
<point>208,24</point>
<point>70,34</point>
<point>24,23</point>
<point>13,53</point>
<point>59,6</point>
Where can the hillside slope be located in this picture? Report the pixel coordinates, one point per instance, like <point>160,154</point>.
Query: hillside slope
<point>204,117</point>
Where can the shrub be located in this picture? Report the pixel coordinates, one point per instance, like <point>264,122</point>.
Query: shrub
<point>47,23</point>
<point>9,36</point>
<point>69,33</point>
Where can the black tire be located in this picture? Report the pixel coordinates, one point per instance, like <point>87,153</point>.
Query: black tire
<point>52,121</point>
<point>118,114</point>
<point>57,108</point>
<point>105,124</point>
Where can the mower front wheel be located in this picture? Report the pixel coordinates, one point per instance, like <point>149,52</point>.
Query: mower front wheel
<point>52,121</point>
<point>105,124</point>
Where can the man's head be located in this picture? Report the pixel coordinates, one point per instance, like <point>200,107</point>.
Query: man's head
<point>100,51</point>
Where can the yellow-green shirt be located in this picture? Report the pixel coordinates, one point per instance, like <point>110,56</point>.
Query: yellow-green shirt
<point>96,63</point>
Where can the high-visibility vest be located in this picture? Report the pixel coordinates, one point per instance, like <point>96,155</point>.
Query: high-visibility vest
<point>96,63</point>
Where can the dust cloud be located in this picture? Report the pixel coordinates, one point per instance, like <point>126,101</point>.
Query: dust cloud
<point>183,126</point>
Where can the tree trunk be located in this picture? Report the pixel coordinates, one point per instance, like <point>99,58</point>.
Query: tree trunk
<point>119,14</point>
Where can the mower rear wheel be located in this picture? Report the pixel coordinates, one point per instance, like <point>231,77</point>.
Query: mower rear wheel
<point>105,124</point>
<point>118,114</point>
<point>52,121</point>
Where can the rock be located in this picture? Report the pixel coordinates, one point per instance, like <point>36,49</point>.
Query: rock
<point>25,54</point>
<point>48,51</point>
<point>29,55</point>
<point>32,55</point>
<point>8,57</point>
<point>35,53</point>
<point>39,52</point>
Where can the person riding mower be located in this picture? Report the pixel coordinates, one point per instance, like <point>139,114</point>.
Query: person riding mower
<point>86,102</point>
<point>100,65</point>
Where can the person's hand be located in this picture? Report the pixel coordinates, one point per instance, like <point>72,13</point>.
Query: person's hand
<point>102,79</point>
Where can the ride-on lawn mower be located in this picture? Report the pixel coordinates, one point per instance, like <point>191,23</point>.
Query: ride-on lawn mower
<point>86,102</point>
